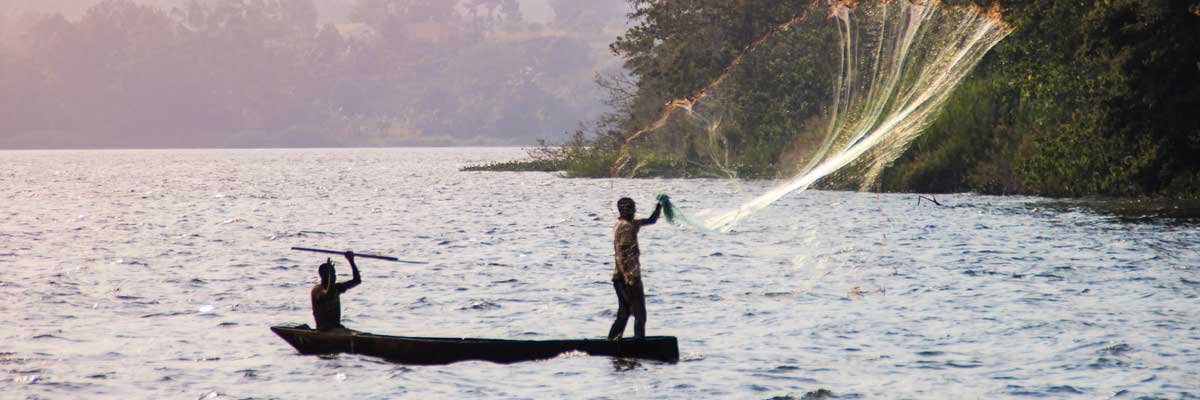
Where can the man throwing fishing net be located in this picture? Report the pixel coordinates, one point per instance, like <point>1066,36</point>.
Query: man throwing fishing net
<point>627,269</point>
<point>326,296</point>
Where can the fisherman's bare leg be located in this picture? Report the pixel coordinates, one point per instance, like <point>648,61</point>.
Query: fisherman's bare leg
<point>618,326</point>
<point>637,305</point>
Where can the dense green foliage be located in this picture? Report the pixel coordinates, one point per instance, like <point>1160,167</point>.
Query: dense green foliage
<point>1083,97</point>
<point>675,51</point>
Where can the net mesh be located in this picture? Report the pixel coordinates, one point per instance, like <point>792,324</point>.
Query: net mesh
<point>853,89</point>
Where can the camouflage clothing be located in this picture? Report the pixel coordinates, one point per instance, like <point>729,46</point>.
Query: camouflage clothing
<point>625,248</point>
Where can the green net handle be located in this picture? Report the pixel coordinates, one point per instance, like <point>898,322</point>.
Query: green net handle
<point>669,210</point>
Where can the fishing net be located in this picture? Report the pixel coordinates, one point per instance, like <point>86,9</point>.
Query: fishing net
<point>848,85</point>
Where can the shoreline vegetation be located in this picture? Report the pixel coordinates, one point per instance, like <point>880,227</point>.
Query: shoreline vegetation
<point>1082,99</point>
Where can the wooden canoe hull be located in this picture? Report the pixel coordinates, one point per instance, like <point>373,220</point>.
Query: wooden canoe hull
<point>424,350</point>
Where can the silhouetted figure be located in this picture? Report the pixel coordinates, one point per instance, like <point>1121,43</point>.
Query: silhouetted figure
<point>627,270</point>
<point>326,296</point>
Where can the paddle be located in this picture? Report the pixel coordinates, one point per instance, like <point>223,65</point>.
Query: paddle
<point>357,255</point>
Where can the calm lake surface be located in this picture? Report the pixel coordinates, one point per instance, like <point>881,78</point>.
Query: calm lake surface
<point>156,274</point>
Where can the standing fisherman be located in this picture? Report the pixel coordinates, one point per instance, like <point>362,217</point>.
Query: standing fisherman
<point>627,270</point>
<point>326,296</point>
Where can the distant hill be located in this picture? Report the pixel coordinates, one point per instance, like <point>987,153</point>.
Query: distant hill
<point>220,73</point>
<point>330,10</point>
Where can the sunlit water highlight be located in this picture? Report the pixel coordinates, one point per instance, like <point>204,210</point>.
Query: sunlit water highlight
<point>155,274</point>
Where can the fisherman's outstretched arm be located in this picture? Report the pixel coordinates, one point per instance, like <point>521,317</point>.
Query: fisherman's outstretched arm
<point>653,216</point>
<point>355,280</point>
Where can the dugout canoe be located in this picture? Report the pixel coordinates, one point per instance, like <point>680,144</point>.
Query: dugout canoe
<point>428,350</point>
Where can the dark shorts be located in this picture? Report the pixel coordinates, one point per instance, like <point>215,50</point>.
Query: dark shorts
<point>631,302</point>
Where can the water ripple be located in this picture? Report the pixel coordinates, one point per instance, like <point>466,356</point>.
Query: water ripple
<point>175,276</point>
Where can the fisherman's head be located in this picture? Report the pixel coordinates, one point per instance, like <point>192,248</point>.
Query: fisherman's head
<point>626,208</point>
<point>326,271</point>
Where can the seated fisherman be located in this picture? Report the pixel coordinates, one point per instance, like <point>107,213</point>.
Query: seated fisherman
<point>627,269</point>
<point>326,296</point>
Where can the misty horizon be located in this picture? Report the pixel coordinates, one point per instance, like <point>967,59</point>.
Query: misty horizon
<point>323,73</point>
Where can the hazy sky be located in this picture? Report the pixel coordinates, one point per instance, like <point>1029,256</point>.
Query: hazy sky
<point>534,10</point>
<point>249,73</point>
<point>538,10</point>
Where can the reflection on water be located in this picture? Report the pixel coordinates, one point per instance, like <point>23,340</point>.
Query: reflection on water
<point>155,274</point>
<point>625,364</point>
<point>1151,211</point>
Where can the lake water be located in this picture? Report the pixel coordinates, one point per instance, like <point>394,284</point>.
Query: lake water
<point>156,274</point>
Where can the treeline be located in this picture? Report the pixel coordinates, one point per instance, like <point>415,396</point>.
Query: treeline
<point>1092,97</point>
<point>266,73</point>
<point>675,50</point>
<point>1083,98</point>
